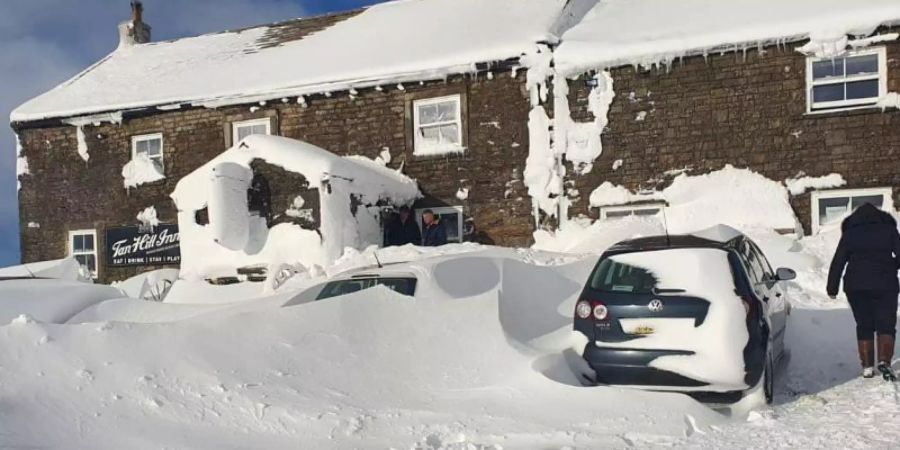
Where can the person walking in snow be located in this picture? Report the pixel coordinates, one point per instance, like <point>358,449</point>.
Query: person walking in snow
<point>870,251</point>
<point>434,234</point>
<point>403,230</point>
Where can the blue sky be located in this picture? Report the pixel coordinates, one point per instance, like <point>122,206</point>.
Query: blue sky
<point>44,42</point>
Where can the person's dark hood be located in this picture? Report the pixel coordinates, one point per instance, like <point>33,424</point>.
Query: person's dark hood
<point>868,214</point>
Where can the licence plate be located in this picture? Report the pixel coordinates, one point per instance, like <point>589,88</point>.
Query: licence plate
<point>643,330</point>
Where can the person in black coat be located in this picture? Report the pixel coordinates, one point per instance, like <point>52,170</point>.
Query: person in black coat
<point>403,230</point>
<point>434,234</point>
<point>870,251</point>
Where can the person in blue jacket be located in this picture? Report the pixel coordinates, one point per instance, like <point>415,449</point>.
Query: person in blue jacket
<point>870,251</point>
<point>433,232</point>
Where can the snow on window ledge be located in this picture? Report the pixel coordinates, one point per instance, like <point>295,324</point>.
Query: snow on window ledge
<point>140,170</point>
<point>429,149</point>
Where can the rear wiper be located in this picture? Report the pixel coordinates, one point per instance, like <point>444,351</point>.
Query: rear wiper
<point>656,291</point>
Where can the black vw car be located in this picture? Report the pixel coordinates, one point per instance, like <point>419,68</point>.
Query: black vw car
<point>703,314</point>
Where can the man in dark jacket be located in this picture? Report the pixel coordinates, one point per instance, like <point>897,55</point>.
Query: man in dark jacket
<point>403,230</point>
<point>870,250</point>
<point>434,234</point>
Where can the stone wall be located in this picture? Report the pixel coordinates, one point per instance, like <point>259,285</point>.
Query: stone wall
<point>745,111</point>
<point>63,192</point>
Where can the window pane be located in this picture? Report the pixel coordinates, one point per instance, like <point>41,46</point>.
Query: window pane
<point>862,64</point>
<point>428,114</point>
<point>91,263</point>
<point>78,243</point>
<point>876,200</point>
<point>828,69</point>
<point>618,214</point>
<point>450,221</point>
<point>450,134</point>
<point>154,146</point>
<point>862,89</point>
<point>832,210</point>
<point>447,111</point>
<point>828,93</point>
<point>646,212</point>
<point>88,242</point>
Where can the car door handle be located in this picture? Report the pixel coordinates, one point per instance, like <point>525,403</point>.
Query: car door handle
<point>778,294</point>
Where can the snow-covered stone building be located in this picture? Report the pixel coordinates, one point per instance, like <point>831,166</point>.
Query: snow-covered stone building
<point>511,115</point>
<point>804,92</point>
<point>435,88</point>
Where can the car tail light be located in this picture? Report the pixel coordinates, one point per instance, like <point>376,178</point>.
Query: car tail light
<point>592,309</point>
<point>601,312</point>
<point>583,309</point>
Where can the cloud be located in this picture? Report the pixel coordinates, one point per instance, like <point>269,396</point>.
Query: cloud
<point>46,42</point>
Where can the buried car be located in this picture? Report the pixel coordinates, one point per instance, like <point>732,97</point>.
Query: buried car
<point>702,315</point>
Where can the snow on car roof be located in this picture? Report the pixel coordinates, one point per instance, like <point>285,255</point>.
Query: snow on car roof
<point>398,41</point>
<point>624,32</point>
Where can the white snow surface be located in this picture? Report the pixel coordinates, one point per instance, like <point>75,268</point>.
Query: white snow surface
<point>728,196</point>
<point>21,163</point>
<point>60,269</point>
<point>649,32</point>
<point>148,217</point>
<point>140,170</point>
<point>799,185</point>
<point>398,41</point>
<point>49,300</point>
<point>342,373</point>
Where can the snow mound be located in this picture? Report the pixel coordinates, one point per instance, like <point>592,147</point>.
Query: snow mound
<point>61,269</point>
<point>140,170</point>
<point>47,300</point>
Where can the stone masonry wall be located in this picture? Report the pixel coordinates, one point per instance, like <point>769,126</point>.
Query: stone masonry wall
<point>749,113</point>
<point>63,192</point>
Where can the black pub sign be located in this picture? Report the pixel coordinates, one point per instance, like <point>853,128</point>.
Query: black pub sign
<point>142,246</point>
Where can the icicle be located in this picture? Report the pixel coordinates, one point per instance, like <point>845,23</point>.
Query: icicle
<point>284,100</point>
<point>353,92</point>
<point>301,100</point>
<point>262,103</point>
<point>379,88</point>
<point>400,87</point>
<point>328,94</point>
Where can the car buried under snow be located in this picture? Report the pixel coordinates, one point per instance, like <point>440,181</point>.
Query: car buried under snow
<point>703,314</point>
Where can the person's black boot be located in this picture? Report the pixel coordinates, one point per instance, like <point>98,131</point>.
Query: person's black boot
<point>885,356</point>
<point>867,357</point>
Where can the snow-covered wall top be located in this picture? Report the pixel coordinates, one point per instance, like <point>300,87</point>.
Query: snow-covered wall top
<point>646,32</point>
<point>315,164</point>
<point>404,40</point>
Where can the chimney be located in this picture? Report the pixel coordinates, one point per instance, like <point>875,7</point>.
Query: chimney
<point>134,31</point>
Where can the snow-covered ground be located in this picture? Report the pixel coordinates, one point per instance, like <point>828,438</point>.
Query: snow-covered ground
<point>482,358</point>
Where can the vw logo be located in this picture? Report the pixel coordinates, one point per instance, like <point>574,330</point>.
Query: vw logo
<point>655,305</point>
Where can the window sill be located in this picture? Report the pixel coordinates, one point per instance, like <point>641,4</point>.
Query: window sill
<point>851,111</point>
<point>441,154</point>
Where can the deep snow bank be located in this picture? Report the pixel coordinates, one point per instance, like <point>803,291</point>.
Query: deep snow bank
<point>372,369</point>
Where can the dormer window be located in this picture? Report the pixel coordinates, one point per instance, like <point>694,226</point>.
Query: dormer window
<point>855,80</point>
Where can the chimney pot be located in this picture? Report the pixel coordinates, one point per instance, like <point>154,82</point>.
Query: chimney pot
<point>134,31</point>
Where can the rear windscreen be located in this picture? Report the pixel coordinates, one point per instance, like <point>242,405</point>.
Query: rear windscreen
<point>670,271</point>
<point>612,276</point>
<point>403,286</point>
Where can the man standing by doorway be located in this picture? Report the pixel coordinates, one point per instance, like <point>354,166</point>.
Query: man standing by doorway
<point>434,234</point>
<point>403,229</point>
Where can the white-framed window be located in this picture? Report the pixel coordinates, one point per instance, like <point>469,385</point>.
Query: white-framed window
<point>856,80</point>
<point>437,125</point>
<point>450,217</point>
<point>643,210</point>
<point>150,145</point>
<point>831,207</point>
<point>244,128</point>
<point>83,247</point>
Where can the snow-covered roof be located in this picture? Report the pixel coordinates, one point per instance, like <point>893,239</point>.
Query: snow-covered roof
<point>624,32</point>
<point>315,164</point>
<point>403,40</point>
